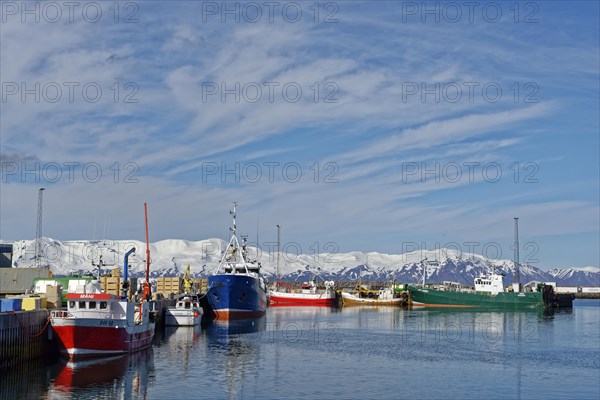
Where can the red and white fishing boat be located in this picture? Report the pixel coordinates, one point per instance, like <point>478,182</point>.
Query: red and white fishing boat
<point>308,295</point>
<point>100,324</point>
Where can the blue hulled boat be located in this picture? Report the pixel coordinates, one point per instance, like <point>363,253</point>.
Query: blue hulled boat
<point>237,290</point>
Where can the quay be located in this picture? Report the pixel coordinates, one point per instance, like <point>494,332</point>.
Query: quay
<point>24,335</point>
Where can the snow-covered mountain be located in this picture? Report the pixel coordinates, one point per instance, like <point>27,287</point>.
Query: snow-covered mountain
<point>586,276</point>
<point>171,257</point>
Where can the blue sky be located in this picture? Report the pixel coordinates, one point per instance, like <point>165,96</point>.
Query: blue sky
<point>200,107</point>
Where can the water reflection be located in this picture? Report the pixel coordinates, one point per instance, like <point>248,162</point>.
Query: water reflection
<point>27,380</point>
<point>124,377</point>
<point>223,329</point>
<point>234,347</point>
<point>180,342</point>
<point>490,326</point>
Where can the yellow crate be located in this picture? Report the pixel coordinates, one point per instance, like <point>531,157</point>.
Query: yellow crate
<point>116,273</point>
<point>31,303</point>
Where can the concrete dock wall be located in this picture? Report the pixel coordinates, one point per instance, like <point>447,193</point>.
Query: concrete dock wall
<point>23,336</point>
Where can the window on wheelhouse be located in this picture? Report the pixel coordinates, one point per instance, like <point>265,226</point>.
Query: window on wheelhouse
<point>82,305</point>
<point>71,304</point>
<point>103,305</point>
<point>92,305</point>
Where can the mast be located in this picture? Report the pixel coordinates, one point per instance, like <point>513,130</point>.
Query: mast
<point>234,212</point>
<point>147,289</point>
<point>278,251</point>
<point>235,254</point>
<point>516,244</point>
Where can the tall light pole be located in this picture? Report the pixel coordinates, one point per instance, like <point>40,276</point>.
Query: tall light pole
<point>38,232</point>
<point>517,272</point>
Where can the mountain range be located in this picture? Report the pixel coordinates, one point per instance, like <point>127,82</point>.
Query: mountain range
<point>171,257</point>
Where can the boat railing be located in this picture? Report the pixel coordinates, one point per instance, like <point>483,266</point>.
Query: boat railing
<point>61,314</point>
<point>449,288</point>
<point>88,314</point>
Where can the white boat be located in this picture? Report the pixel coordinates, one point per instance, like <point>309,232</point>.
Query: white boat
<point>186,312</point>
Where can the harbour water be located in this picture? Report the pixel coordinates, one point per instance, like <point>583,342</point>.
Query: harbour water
<point>350,353</point>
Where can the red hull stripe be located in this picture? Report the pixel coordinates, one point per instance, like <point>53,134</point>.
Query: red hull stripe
<point>303,302</point>
<point>237,314</point>
<point>81,341</point>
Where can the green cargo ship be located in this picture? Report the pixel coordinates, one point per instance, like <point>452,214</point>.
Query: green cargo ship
<point>489,293</point>
<point>442,298</point>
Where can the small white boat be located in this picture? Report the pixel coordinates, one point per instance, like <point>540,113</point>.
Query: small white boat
<point>187,312</point>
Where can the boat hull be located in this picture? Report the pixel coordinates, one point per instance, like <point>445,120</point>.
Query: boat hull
<point>185,317</point>
<point>302,299</point>
<point>349,300</point>
<point>441,298</point>
<point>236,296</point>
<point>83,337</point>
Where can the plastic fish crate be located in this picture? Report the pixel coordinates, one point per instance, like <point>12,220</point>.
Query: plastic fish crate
<point>12,304</point>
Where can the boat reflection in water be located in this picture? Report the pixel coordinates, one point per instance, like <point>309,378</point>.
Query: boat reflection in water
<point>226,328</point>
<point>181,343</point>
<point>234,347</point>
<point>122,377</point>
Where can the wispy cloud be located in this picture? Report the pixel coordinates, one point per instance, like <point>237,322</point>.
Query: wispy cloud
<point>367,63</point>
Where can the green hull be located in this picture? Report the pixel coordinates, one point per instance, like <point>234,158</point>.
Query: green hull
<point>442,298</point>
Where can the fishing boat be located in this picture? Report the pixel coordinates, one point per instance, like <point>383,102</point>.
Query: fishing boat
<point>308,295</point>
<point>186,312</point>
<point>237,289</point>
<point>489,291</point>
<point>383,297</point>
<point>102,324</point>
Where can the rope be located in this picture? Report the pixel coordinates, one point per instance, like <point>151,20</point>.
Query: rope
<point>26,331</point>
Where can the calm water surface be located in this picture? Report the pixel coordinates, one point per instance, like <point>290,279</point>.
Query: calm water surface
<point>352,353</point>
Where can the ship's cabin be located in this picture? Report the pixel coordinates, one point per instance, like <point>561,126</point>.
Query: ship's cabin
<point>493,284</point>
<point>92,305</point>
<point>187,303</point>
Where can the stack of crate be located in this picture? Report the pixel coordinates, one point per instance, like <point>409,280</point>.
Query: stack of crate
<point>167,286</point>
<point>53,296</point>
<point>201,284</point>
<point>112,284</point>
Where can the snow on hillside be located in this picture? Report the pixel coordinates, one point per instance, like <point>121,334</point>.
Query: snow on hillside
<point>171,257</point>
<point>587,276</point>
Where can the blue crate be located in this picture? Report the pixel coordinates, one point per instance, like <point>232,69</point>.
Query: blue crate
<point>8,305</point>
